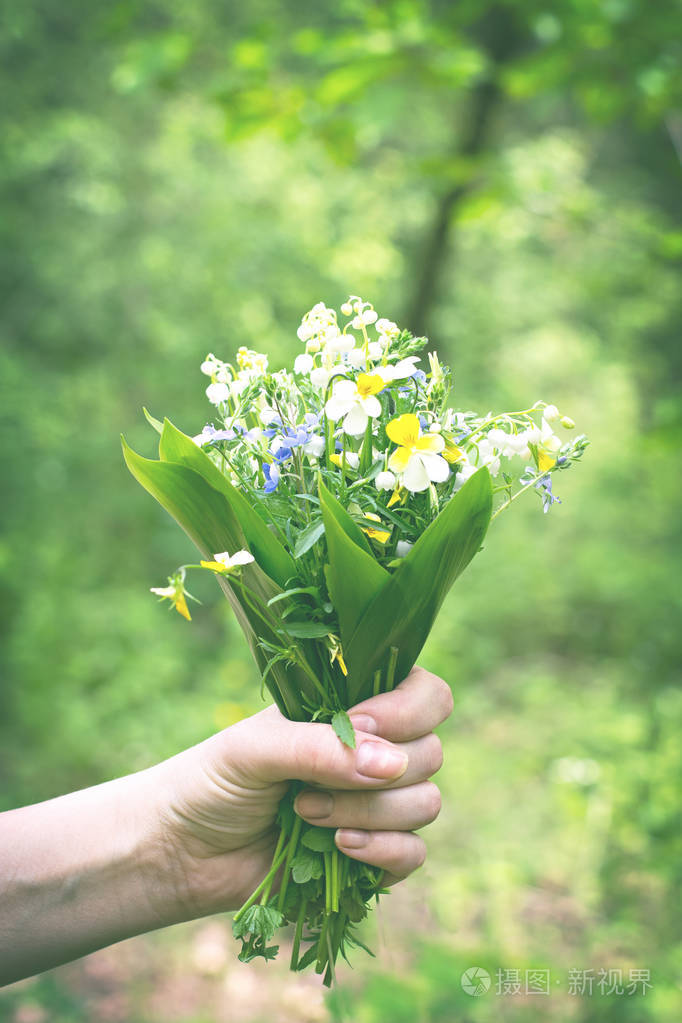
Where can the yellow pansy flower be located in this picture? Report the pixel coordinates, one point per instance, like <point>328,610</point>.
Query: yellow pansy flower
<point>175,592</point>
<point>355,402</point>
<point>382,535</point>
<point>417,459</point>
<point>225,563</point>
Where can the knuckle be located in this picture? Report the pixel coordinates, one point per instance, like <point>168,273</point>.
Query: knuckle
<point>432,802</point>
<point>445,698</point>
<point>419,853</point>
<point>434,755</point>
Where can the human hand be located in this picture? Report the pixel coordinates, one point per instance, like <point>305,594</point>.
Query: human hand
<point>219,799</point>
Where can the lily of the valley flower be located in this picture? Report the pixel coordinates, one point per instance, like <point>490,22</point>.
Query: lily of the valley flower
<point>228,564</point>
<point>176,593</point>
<point>417,459</point>
<point>355,402</point>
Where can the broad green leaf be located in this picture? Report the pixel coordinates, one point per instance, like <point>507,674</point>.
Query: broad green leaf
<point>209,521</point>
<point>343,726</point>
<point>202,511</point>
<point>403,611</point>
<point>177,447</point>
<point>354,577</point>
<point>333,507</point>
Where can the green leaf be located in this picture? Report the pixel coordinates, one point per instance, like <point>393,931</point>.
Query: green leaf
<point>354,577</point>
<point>319,839</point>
<point>310,535</point>
<point>177,447</point>
<point>306,630</point>
<point>201,510</point>
<point>157,424</point>
<point>343,726</point>
<point>209,521</point>
<point>404,609</point>
<point>306,866</point>
<point>334,509</point>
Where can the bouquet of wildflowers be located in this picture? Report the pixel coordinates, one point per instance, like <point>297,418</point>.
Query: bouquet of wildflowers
<point>335,506</point>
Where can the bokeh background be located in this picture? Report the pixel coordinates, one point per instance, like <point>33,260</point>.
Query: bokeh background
<point>179,178</point>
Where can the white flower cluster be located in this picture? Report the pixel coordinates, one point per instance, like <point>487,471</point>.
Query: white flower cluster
<point>359,409</point>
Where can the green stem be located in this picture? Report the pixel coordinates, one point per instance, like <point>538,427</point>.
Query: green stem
<point>514,496</point>
<point>327,883</point>
<point>278,849</point>
<point>390,671</point>
<point>293,843</point>
<point>335,881</point>
<point>322,945</point>
<point>377,682</point>
<point>297,935</point>
<point>254,895</point>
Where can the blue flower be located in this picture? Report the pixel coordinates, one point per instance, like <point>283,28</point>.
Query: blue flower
<point>209,435</point>
<point>544,486</point>
<point>272,476</point>
<point>274,424</point>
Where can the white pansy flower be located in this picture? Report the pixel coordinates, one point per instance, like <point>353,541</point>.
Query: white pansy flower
<point>227,564</point>
<point>385,480</point>
<point>355,402</point>
<point>217,393</point>
<point>303,363</point>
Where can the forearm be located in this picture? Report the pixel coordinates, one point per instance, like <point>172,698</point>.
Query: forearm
<point>80,872</point>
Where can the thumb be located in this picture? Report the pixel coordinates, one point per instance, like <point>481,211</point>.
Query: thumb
<point>270,748</point>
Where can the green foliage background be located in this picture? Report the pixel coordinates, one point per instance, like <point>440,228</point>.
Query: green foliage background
<point>504,176</point>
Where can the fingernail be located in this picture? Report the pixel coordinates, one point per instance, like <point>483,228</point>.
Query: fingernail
<point>364,723</point>
<point>314,804</point>
<point>377,760</point>
<point>352,839</point>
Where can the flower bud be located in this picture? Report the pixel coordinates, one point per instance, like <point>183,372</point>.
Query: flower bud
<point>551,413</point>
<point>567,423</point>
<point>385,481</point>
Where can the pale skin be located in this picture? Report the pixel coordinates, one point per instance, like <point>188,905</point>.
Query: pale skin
<point>194,835</point>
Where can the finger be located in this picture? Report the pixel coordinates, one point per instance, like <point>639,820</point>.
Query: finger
<point>402,809</point>
<point>397,852</point>
<point>418,705</point>
<point>268,748</point>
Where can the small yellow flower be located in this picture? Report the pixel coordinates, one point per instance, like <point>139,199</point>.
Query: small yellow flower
<point>418,458</point>
<point>175,592</point>
<point>335,653</point>
<point>382,535</point>
<point>226,563</point>
<point>451,453</point>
